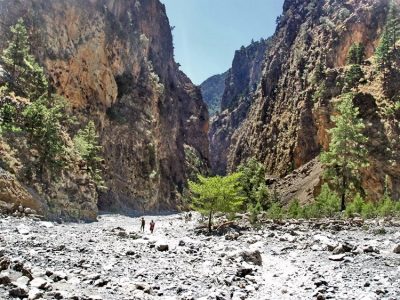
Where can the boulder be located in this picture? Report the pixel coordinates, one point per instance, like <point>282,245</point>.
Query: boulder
<point>397,249</point>
<point>243,272</point>
<point>19,291</point>
<point>39,283</point>
<point>5,278</point>
<point>338,257</point>
<point>162,247</point>
<point>253,257</point>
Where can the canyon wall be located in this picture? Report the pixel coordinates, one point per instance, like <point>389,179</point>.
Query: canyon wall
<point>113,62</point>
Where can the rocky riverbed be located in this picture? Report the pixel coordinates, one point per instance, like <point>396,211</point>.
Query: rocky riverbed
<point>111,259</point>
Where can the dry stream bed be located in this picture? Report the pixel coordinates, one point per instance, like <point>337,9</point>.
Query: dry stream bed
<point>110,259</point>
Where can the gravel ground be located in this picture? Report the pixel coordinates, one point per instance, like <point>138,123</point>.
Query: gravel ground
<point>111,259</point>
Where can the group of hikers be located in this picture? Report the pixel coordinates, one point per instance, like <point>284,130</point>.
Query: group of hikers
<point>188,217</point>
<point>143,224</point>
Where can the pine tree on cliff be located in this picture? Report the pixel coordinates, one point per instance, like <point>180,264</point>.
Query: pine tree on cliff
<point>21,73</point>
<point>389,38</point>
<point>86,143</point>
<point>347,153</point>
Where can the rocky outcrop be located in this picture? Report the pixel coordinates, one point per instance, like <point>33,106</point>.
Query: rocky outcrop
<point>113,61</point>
<point>212,90</point>
<point>286,126</point>
<point>240,86</point>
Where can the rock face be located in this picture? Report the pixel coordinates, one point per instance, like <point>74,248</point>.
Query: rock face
<point>113,61</point>
<point>212,90</point>
<point>240,85</point>
<point>286,124</point>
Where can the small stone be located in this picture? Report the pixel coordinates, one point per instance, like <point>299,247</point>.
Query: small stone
<point>338,257</point>
<point>162,247</point>
<point>181,243</point>
<point>253,257</point>
<point>397,249</point>
<point>130,253</point>
<point>23,229</point>
<point>243,272</point>
<point>28,211</point>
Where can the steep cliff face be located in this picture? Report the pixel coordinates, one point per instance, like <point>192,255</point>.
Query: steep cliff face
<point>113,61</point>
<point>212,90</point>
<point>286,126</point>
<point>240,86</point>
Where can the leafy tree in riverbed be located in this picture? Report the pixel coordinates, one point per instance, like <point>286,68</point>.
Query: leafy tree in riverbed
<point>347,153</point>
<point>216,194</point>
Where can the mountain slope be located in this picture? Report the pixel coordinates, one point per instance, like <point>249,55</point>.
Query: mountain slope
<point>286,126</point>
<point>212,90</point>
<point>240,86</point>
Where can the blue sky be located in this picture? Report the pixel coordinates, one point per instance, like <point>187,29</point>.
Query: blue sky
<point>207,32</point>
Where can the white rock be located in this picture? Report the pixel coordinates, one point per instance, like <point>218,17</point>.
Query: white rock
<point>39,283</point>
<point>23,280</point>
<point>23,229</point>
<point>34,294</point>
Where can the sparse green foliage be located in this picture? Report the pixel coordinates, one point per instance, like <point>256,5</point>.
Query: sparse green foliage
<point>319,73</point>
<point>216,194</point>
<point>21,73</point>
<point>44,131</point>
<point>321,92</point>
<point>353,76</point>
<point>389,38</point>
<point>355,207</point>
<point>275,212</point>
<point>294,210</point>
<point>254,211</point>
<point>347,153</point>
<point>356,54</point>
<point>252,182</point>
<point>86,143</point>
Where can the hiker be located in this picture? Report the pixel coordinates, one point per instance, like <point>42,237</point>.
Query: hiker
<point>143,223</point>
<point>152,224</point>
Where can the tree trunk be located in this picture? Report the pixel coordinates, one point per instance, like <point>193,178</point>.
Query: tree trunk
<point>209,221</point>
<point>343,202</point>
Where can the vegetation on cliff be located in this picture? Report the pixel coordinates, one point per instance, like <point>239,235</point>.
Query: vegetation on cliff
<point>36,126</point>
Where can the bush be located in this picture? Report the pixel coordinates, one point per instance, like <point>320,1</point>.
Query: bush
<point>327,202</point>
<point>252,182</point>
<point>368,211</point>
<point>254,211</point>
<point>355,207</point>
<point>275,212</point>
<point>294,210</point>
<point>386,208</point>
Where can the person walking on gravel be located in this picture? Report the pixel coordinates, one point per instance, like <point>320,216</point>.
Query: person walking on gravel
<point>143,223</point>
<point>152,224</point>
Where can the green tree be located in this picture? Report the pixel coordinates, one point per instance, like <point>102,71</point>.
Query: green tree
<point>353,76</point>
<point>21,73</point>
<point>216,194</point>
<point>253,184</point>
<point>347,153</point>
<point>389,38</point>
<point>86,143</point>
<point>42,123</point>
<point>356,54</point>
